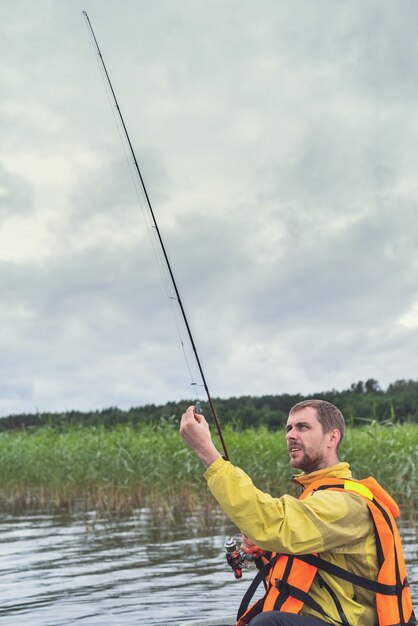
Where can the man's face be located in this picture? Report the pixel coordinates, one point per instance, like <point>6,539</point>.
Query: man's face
<point>306,442</point>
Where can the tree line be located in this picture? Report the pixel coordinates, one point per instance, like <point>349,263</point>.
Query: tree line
<point>363,402</point>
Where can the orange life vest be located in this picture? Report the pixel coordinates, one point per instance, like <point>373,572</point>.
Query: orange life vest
<point>289,578</point>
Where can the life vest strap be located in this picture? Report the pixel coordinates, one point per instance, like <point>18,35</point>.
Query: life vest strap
<point>304,597</point>
<point>282,586</point>
<point>259,577</point>
<point>355,579</point>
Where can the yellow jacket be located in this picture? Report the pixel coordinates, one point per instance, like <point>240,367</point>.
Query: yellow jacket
<point>335,524</point>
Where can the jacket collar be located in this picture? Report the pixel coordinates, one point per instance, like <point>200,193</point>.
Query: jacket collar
<point>340,470</point>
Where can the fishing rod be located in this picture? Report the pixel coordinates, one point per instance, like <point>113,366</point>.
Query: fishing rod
<point>160,239</point>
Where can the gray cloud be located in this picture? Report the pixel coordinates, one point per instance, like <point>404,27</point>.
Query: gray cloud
<point>16,194</point>
<point>278,146</point>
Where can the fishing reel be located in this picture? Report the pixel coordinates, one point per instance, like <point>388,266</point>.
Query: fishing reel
<point>238,559</point>
<point>235,558</point>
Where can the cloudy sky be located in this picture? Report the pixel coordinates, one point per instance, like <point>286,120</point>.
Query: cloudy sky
<point>279,145</point>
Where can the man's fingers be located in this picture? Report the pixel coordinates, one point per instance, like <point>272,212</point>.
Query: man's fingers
<point>191,415</point>
<point>195,431</point>
<point>189,418</point>
<point>188,415</point>
<point>198,417</point>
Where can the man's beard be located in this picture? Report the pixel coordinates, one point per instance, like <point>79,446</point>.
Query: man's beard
<point>311,460</point>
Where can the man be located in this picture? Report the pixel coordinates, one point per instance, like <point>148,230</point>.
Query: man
<point>335,553</point>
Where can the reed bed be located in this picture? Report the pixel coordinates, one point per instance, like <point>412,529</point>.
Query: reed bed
<point>116,471</point>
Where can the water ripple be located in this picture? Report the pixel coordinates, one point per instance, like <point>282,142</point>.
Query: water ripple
<point>58,571</point>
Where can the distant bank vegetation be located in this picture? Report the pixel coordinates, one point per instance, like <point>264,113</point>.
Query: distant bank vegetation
<point>117,470</point>
<point>361,403</point>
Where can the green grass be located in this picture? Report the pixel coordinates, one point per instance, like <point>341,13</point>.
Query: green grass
<point>127,467</point>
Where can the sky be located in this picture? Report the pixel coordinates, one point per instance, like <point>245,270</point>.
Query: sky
<point>278,143</point>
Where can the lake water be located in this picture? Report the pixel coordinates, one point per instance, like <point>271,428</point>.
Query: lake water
<point>81,570</point>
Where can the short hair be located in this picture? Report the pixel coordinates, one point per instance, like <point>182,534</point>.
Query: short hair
<point>328,415</point>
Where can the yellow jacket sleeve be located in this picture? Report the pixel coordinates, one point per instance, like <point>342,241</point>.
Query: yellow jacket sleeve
<point>327,520</point>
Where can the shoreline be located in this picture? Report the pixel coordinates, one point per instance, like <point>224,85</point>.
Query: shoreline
<point>118,470</point>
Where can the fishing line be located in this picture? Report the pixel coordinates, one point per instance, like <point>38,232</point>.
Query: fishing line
<point>149,226</point>
<point>154,225</point>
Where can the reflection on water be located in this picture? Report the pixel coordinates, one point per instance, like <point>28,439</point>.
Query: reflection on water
<point>57,571</point>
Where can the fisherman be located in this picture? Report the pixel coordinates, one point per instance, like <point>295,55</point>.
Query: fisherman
<point>334,555</point>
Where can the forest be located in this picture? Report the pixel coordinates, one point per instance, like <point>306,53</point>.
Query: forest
<point>362,403</point>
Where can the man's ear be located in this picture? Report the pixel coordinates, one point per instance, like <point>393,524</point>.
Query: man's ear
<point>334,437</point>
